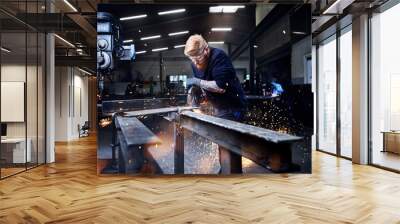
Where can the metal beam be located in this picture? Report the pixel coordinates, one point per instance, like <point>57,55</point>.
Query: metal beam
<point>157,111</point>
<point>262,133</point>
<point>84,61</point>
<point>266,148</point>
<point>179,150</point>
<point>80,20</point>
<point>86,26</point>
<point>111,106</point>
<point>136,133</point>
<point>134,138</point>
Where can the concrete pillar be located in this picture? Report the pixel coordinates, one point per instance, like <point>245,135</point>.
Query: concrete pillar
<point>314,90</point>
<point>50,92</point>
<point>360,90</point>
<point>50,99</point>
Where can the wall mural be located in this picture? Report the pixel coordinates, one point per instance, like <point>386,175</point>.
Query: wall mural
<point>204,89</point>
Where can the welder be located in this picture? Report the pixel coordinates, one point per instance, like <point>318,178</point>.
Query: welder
<point>214,73</point>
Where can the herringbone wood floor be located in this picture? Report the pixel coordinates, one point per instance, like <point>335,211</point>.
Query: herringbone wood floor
<point>69,191</point>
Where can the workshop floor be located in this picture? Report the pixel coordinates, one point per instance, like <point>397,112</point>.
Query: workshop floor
<point>69,191</point>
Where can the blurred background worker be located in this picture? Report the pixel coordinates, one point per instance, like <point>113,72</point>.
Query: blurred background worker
<point>214,73</point>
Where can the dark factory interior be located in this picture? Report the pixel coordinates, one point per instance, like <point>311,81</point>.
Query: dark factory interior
<point>264,54</point>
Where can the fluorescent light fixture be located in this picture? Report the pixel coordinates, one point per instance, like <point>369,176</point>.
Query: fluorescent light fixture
<point>178,33</point>
<point>179,46</point>
<point>140,52</point>
<point>5,50</point>
<point>225,8</point>
<point>84,71</point>
<point>299,32</point>
<point>334,5</point>
<point>221,29</point>
<point>160,49</point>
<point>127,41</point>
<point>79,50</point>
<point>70,5</point>
<point>255,46</point>
<point>64,40</point>
<point>215,9</point>
<point>171,11</point>
<point>150,37</point>
<point>216,42</point>
<point>133,17</point>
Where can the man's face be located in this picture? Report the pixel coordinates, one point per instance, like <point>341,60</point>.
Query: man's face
<point>200,59</point>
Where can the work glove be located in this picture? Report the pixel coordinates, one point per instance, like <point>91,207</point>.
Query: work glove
<point>192,82</point>
<point>194,96</point>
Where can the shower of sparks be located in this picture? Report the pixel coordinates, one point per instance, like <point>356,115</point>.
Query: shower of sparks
<point>201,155</point>
<point>274,116</point>
<point>105,122</point>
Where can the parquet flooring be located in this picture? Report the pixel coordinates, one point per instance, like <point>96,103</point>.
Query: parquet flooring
<point>69,191</point>
<point>10,171</point>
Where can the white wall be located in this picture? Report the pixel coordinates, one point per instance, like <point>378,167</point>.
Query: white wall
<point>61,103</point>
<point>80,112</point>
<point>12,73</point>
<point>33,126</point>
<point>17,73</point>
<point>71,102</point>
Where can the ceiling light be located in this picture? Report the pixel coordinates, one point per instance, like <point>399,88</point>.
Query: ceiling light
<point>216,42</point>
<point>64,40</point>
<point>127,41</point>
<point>150,37</point>
<point>79,50</point>
<point>179,46</point>
<point>133,17</point>
<point>140,52</point>
<point>225,8</point>
<point>5,50</point>
<point>84,71</point>
<point>178,33</point>
<point>221,29</point>
<point>299,32</point>
<point>160,49</point>
<point>335,4</point>
<point>215,9</point>
<point>171,11</point>
<point>70,5</point>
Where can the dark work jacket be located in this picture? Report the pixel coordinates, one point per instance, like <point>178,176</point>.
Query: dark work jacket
<point>221,70</point>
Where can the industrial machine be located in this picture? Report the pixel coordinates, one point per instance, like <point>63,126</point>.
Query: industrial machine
<point>110,49</point>
<point>110,46</point>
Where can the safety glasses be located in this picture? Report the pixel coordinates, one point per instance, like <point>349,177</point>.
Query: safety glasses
<point>200,56</point>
